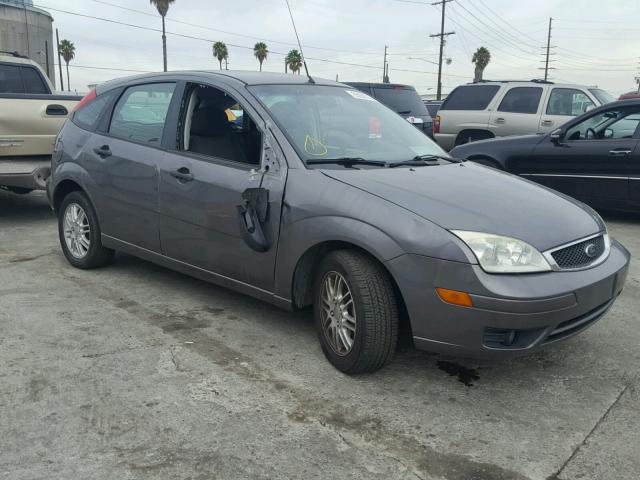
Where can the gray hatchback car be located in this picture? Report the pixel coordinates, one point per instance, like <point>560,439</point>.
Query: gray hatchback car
<point>306,194</point>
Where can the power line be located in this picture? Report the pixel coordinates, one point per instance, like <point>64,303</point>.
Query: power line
<point>442,36</point>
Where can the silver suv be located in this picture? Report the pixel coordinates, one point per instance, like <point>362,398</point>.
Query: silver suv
<point>491,109</point>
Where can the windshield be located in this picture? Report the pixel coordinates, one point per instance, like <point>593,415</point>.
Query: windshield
<point>323,122</point>
<point>404,101</point>
<point>602,96</point>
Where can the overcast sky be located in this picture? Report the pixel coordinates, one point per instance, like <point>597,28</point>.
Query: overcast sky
<point>596,40</point>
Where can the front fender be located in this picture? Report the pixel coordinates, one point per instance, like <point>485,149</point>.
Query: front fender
<point>299,237</point>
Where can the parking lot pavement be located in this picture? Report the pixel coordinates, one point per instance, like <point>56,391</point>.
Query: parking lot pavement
<point>135,371</point>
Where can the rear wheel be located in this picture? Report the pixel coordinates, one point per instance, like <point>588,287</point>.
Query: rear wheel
<point>79,233</point>
<point>356,312</point>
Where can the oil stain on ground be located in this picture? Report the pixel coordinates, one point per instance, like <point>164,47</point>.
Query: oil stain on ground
<point>465,375</point>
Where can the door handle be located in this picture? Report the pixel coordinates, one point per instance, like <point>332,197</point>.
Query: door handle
<point>57,110</point>
<point>103,152</point>
<point>500,121</point>
<point>619,152</point>
<point>183,174</point>
<point>547,123</point>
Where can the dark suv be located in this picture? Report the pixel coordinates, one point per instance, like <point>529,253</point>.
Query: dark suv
<point>402,99</point>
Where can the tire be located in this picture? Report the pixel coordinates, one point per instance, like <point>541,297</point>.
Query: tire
<point>87,252</point>
<point>374,309</point>
<point>488,162</point>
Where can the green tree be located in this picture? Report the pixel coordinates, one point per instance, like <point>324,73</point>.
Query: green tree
<point>163,9</point>
<point>221,52</point>
<point>260,51</point>
<point>68,52</point>
<point>294,61</point>
<point>481,59</point>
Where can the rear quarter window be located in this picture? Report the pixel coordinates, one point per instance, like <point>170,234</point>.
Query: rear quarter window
<point>470,97</point>
<point>89,115</point>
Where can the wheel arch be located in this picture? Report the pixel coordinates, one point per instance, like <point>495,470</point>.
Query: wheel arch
<point>62,189</point>
<point>476,133</point>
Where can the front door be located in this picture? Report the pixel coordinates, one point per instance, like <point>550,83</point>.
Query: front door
<point>562,106</point>
<point>591,160</point>
<point>126,158</point>
<point>223,152</point>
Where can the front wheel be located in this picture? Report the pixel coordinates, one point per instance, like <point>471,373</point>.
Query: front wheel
<point>356,312</point>
<point>79,233</point>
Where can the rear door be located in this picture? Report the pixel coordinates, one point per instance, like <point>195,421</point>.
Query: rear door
<point>518,113</point>
<point>563,105</point>
<point>215,161</point>
<point>125,159</point>
<point>593,159</point>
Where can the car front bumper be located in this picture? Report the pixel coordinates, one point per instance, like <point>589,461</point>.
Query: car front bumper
<point>511,314</point>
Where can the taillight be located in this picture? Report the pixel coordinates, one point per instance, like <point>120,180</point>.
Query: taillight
<point>436,124</point>
<point>88,98</point>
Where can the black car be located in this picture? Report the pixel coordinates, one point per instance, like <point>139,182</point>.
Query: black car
<point>594,158</point>
<point>402,99</point>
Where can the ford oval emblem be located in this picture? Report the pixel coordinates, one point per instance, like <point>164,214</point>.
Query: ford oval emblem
<point>591,250</point>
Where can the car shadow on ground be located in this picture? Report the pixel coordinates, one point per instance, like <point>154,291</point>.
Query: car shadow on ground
<point>30,207</point>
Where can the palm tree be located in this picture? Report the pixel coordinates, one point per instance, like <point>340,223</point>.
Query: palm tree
<point>68,51</point>
<point>260,51</point>
<point>481,58</point>
<point>163,9</point>
<point>220,52</point>
<point>294,61</point>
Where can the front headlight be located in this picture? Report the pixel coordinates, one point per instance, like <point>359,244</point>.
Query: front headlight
<point>498,254</point>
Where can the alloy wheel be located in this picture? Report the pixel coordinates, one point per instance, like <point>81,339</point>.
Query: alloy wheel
<point>77,230</point>
<point>338,313</point>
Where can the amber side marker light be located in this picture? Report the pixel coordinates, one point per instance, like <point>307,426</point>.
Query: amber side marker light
<point>455,297</point>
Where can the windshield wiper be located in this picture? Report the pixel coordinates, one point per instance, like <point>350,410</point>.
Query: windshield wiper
<point>423,160</point>
<point>347,161</point>
<point>404,112</point>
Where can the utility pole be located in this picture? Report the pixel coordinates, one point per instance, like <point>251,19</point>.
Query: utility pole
<point>442,34</point>
<point>46,57</point>
<point>59,61</point>
<point>546,63</point>
<point>385,79</point>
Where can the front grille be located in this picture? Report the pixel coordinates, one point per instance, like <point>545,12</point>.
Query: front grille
<point>580,254</point>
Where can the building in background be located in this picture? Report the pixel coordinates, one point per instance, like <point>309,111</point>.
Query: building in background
<point>28,31</point>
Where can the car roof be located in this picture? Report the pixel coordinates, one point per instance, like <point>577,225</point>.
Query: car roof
<point>379,85</point>
<point>530,82</point>
<point>247,77</point>
<point>16,59</point>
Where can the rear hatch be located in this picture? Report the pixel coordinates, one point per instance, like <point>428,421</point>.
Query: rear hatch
<point>405,101</point>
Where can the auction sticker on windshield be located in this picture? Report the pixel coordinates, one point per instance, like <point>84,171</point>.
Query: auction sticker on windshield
<point>359,95</point>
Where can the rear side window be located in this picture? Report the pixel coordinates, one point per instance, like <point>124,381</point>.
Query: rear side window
<point>568,102</point>
<point>33,82</point>
<point>89,115</point>
<point>521,100</point>
<point>404,101</point>
<point>10,80</point>
<point>470,97</point>
<point>141,112</point>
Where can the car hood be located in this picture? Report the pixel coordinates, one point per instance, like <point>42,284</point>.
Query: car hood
<point>471,197</point>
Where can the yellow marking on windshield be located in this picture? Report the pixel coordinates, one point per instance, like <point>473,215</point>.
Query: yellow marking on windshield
<point>315,147</point>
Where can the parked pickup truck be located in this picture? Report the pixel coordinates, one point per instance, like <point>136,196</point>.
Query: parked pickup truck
<point>31,116</point>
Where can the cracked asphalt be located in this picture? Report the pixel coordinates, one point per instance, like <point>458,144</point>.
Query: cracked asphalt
<point>138,372</point>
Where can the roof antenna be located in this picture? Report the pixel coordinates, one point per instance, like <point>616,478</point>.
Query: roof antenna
<point>304,62</point>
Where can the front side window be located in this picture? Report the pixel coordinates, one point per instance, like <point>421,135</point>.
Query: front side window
<point>521,100</point>
<point>141,112</point>
<point>610,125</point>
<point>10,80</point>
<point>602,96</point>
<point>33,82</point>
<point>325,122</point>
<point>215,125</point>
<point>568,102</point>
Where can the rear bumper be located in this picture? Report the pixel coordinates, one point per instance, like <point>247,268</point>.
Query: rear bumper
<point>446,140</point>
<point>26,173</point>
<point>512,314</point>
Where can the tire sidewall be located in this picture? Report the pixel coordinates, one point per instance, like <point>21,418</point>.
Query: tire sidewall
<point>94,234</point>
<point>342,362</point>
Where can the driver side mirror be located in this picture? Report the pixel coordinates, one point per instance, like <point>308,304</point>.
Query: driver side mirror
<point>556,136</point>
